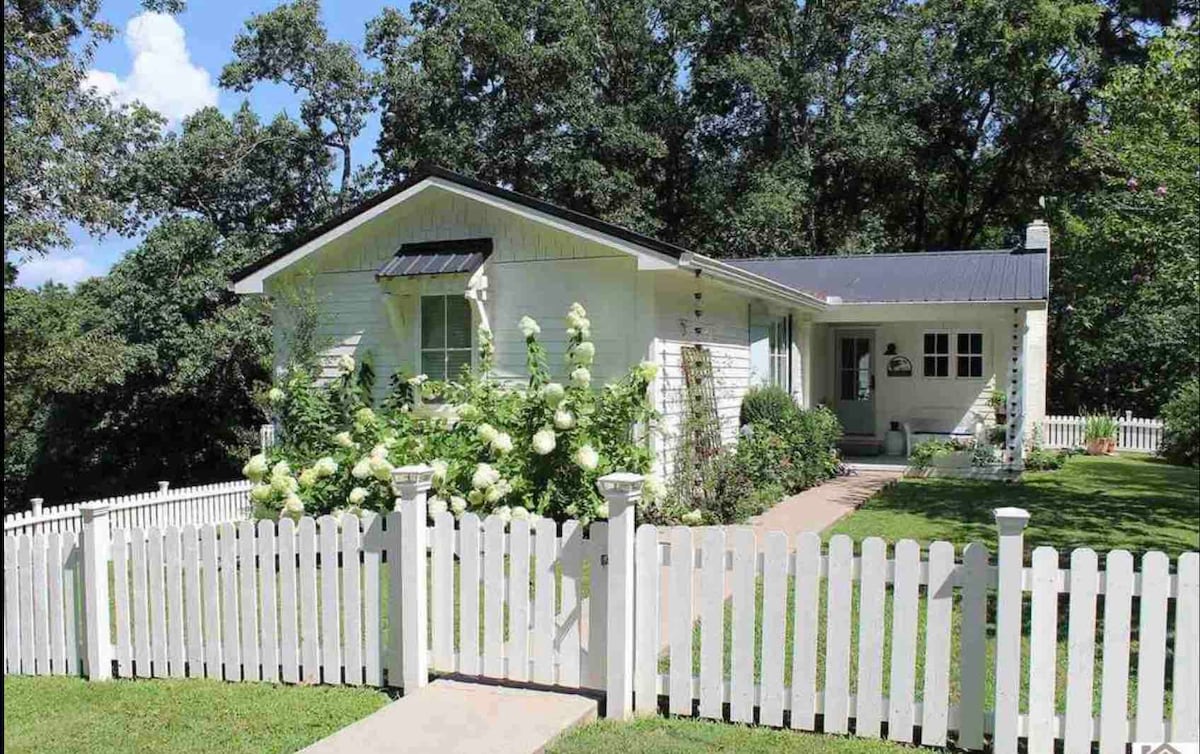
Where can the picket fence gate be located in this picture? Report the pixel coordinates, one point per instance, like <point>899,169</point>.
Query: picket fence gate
<point>1133,434</point>
<point>201,504</point>
<point>386,599</point>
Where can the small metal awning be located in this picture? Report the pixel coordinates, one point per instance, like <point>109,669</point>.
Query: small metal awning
<point>437,258</point>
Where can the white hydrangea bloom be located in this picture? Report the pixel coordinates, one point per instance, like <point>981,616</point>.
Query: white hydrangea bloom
<point>587,458</point>
<point>283,485</point>
<point>564,419</point>
<point>529,327</point>
<point>467,412</point>
<point>520,514</point>
<point>440,468</point>
<point>693,517</point>
<point>653,488</point>
<point>602,510</point>
<point>484,477</point>
<point>504,513</point>
<point>577,319</point>
<point>308,478</point>
<point>581,377</point>
<point>584,353</point>
<point>276,395</point>
<point>502,443</point>
<point>487,433</point>
<point>495,493</point>
<point>457,505</point>
<point>325,467</point>
<point>379,451</point>
<point>553,393</point>
<point>381,469</point>
<point>256,468</point>
<point>647,370</point>
<point>544,441</point>
<point>418,380</point>
<point>293,504</point>
<point>281,469</point>
<point>437,505</point>
<point>364,416</point>
<point>484,332</point>
<point>345,363</point>
<point>362,469</point>
<point>357,496</point>
<point>475,496</point>
<point>344,440</point>
<point>262,493</point>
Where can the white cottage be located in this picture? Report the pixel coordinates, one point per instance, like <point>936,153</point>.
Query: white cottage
<point>915,341</point>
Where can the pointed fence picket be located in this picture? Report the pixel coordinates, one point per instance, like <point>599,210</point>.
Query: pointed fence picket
<point>303,602</point>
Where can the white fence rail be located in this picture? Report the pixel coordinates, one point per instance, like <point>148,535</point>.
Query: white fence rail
<point>1134,434</point>
<point>835,636</point>
<point>202,504</point>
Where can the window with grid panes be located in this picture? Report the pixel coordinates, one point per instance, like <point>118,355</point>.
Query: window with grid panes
<point>937,354</point>
<point>445,336</point>
<point>969,354</point>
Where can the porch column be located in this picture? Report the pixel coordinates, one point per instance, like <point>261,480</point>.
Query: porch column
<point>1015,451</point>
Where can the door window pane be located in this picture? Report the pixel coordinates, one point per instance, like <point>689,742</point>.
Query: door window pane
<point>854,373</point>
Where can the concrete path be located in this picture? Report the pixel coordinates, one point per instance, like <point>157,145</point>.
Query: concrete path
<point>454,717</point>
<point>820,507</point>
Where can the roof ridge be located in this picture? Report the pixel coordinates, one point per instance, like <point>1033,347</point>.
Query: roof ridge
<point>864,255</point>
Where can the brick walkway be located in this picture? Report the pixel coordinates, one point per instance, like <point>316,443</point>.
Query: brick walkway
<point>819,508</point>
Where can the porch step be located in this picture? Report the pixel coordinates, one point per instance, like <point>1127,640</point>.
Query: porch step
<point>464,718</point>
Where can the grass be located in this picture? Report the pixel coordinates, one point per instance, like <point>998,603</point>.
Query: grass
<point>1133,502</point>
<point>62,714</point>
<point>685,736</point>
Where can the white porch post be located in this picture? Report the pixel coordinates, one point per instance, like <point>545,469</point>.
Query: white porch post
<point>1015,452</point>
<point>622,493</point>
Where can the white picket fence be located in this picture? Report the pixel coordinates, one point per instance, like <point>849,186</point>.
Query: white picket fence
<point>387,599</point>
<point>202,504</point>
<point>1134,434</point>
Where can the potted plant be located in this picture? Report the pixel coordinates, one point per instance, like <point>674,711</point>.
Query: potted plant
<point>999,403</point>
<point>1100,434</point>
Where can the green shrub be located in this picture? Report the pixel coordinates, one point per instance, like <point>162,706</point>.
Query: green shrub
<point>922,454</point>
<point>1038,458</point>
<point>769,405</point>
<point>1181,434</point>
<point>516,452</point>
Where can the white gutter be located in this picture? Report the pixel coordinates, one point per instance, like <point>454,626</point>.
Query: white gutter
<point>749,281</point>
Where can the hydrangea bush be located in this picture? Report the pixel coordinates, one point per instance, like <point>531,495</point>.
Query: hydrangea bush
<point>520,452</point>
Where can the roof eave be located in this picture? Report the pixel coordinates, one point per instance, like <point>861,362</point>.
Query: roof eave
<point>749,281</point>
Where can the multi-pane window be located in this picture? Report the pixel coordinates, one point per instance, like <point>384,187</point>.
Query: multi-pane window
<point>777,336</point>
<point>445,336</point>
<point>937,354</point>
<point>969,354</point>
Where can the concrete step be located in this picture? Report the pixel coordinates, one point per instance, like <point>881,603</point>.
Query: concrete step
<point>457,717</point>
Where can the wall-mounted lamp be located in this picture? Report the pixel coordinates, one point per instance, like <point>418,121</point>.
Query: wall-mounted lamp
<point>890,350</point>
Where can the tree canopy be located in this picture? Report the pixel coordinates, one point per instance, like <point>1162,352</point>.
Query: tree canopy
<point>753,127</point>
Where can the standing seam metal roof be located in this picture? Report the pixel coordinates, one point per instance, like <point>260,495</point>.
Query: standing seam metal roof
<point>993,275</point>
<point>437,258</point>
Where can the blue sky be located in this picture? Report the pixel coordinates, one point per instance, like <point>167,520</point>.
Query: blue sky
<point>173,64</point>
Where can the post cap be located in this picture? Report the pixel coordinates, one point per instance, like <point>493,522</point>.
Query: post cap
<point>88,511</point>
<point>163,485</point>
<point>621,484</point>
<point>412,479</point>
<point>1011,520</point>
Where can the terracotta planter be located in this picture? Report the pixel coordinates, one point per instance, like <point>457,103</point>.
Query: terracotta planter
<point>1102,446</point>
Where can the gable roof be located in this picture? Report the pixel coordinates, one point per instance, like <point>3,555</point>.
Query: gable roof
<point>913,277</point>
<point>426,172</point>
<point>437,258</point>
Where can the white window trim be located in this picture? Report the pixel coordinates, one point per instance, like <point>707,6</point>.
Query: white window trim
<point>949,354</point>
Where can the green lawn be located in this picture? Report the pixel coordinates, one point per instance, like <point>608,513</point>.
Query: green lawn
<point>685,736</point>
<point>1133,502</point>
<point>55,714</point>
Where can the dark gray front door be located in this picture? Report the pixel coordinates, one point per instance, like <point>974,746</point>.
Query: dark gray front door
<point>856,383</point>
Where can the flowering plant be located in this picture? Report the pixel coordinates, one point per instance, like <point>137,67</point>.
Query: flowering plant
<point>520,453</point>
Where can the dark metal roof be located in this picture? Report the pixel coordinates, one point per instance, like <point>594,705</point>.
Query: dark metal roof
<point>424,172</point>
<point>437,258</point>
<point>999,275</point>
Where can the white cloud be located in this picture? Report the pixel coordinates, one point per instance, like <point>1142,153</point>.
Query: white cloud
<point>163,76</point>
<point>67,270</point>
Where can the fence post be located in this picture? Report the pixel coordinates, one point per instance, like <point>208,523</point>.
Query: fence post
<point>1010,525</point>
<point>621,492</point>
<point>410,484</point>
<point>97,639</point>
<point>36,505</point>
<point>163,486</point>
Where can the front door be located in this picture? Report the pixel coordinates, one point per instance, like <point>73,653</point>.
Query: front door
<point>856,383</point>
